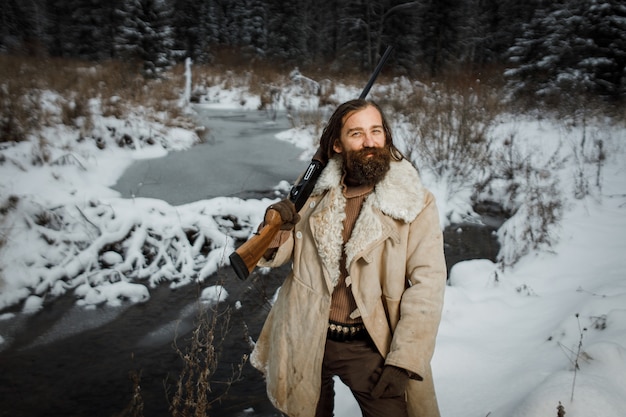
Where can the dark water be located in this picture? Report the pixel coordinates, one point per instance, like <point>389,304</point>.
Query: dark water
<point>467,241</point>
<point>55,368</point>
<point>71,362</point>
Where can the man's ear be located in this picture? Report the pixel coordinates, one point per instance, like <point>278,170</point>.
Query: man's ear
<point>337,146</point>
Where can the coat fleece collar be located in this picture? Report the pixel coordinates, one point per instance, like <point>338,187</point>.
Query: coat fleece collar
<point>399,195</point>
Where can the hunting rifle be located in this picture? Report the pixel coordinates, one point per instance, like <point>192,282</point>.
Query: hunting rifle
<point>245,258</point>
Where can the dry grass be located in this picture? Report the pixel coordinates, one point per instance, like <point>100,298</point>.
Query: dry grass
<point>195,388</point>
<point>136,404</point>
<point>453,120</point>
<point>117,84</point>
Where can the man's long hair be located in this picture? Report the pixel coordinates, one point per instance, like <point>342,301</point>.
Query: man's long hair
<point>332,131</point>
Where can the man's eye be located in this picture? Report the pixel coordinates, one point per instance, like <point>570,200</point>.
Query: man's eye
<point>356,134</point>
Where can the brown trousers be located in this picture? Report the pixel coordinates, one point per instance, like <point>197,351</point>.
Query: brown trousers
<point>358,364</point>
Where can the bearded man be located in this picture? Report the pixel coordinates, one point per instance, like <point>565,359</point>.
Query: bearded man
<point>364,297</point>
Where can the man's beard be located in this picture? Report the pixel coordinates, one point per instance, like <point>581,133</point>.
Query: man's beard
<point>362,169</point>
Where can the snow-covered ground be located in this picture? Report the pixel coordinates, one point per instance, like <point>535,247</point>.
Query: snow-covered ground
<point>515,340</point>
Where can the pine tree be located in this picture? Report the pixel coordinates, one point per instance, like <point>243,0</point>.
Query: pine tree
<point>145,34</point>
<point>61,39</point>
<point>439,34</point>
<point>20,25</point>
<point>605,60</point>
<point>489,28</point>
<point>243,25</point>
<point>251,21</point>
<point>366,27</point>
<point>91,27</point>
<point>288,27</point>
<point>352,34</point>
<point>571,47</point>
<point>401,28</point>
<point>322,41</point>
<point>186,29</point>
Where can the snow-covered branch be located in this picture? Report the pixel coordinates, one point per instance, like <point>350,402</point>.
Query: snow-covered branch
<point>131,245</point>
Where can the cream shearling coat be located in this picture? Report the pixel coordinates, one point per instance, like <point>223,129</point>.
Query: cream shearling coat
<point>397,273</point>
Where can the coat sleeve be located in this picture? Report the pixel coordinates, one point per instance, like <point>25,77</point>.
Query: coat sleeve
<point>283,252</point>
<point>413,341</point>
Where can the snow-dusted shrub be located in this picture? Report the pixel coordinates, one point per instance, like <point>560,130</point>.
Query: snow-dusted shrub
<point>104,251</point>
<point>18,113</point>
<point>532,225</point>
<point>589,157</point>
<point>528,187</point>
<point>449,133</point>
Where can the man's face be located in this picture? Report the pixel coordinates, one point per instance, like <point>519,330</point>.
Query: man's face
<point>361,129</point>
<point>362,145</point>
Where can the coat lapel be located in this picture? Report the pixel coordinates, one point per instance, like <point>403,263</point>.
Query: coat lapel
<point>326,225</point>
<point>400,195</point>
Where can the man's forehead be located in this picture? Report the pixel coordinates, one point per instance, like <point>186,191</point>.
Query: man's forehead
<point>373,117</point>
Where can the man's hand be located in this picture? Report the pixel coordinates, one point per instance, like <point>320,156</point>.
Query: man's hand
<point>392,382</point>
<point>288,213</point>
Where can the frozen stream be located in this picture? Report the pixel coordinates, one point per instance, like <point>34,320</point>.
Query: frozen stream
<point>241,155</point>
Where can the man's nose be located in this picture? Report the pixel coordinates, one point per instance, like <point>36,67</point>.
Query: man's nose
<point>368,141</point>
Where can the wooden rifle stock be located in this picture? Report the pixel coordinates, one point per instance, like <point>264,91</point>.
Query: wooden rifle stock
<point>245,258</point>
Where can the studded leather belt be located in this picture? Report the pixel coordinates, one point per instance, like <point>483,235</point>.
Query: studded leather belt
<point>345,333</point>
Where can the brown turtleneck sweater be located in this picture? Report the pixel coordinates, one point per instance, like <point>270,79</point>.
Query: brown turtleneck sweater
<point>343,303</point>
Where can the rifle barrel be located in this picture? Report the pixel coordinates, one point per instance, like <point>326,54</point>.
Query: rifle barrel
<point>377,70</point>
